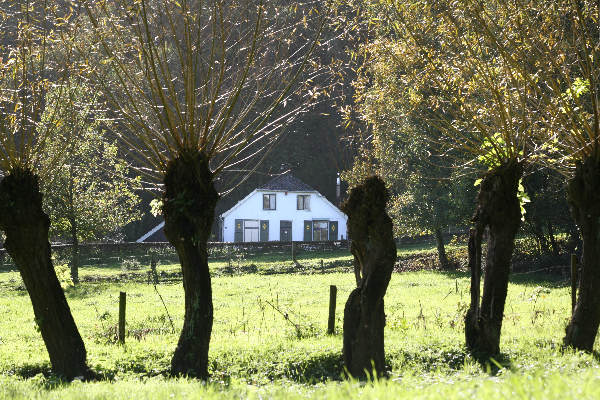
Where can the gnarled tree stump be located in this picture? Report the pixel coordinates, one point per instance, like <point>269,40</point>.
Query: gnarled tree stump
<point>584,201</point>
<point>499,211</point>
<point>26,227</point>
<point>374,252</point>
<point>188,206</point>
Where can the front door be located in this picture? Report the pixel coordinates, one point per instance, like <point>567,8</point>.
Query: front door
<point>333,230</point>
<point>285,231</point>
<point>251,232</point>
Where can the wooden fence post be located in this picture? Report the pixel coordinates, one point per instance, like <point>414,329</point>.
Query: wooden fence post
<point>332,300</point>
<point>293,251</point>
<point>122,304</point>
<point>573,282</point>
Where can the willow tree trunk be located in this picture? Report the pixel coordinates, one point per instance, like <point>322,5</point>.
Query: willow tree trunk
<point>26,228</point>
<point>584,200</point>
<point>499,211</point>
<point>441,248</point>
<point>374,253</point>
<point>188,206</point>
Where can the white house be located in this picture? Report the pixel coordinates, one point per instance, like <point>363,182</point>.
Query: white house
<point>283,209</point>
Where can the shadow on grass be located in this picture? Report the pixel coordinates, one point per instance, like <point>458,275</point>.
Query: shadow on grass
<point>325,367</point>
<point>431,359</point>
<point>316,368</point>
<point>42,374</point>
<point>329,366</point>
<point>535,278</point>
<point>452,274</point>
<point>544,279</point>
<point>27,371</point>
<point>83,291</point>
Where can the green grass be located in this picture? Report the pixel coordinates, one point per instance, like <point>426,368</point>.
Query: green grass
<point>257,353</point>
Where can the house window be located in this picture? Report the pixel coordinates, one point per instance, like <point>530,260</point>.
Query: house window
<point>320,230</point>
<point>303,202</point>
<point>268,201</point>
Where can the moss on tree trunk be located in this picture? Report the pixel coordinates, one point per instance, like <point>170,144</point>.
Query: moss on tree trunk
<point>374,252</point>
<point>26,227</point>
<point>499,212</point>
<point>584,200</point>
<point>188,206</point>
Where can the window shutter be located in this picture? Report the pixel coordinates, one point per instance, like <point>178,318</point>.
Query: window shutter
<point>264,231</point>
<point>238,235</point>
<point>308,231</point>
<point>333,230</point>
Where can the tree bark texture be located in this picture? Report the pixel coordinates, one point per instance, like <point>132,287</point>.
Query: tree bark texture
<point>188,206</point>
<point>584,201</point>
<point>26,227</point>
<point>374,253</point>
<point>441,248</point>
<point>499,212</point>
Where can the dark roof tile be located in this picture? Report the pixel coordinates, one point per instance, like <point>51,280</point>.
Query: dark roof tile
<point>287,182</point>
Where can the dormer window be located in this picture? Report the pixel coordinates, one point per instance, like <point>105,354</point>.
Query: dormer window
<point>269,202</point>
<point>303,202</point>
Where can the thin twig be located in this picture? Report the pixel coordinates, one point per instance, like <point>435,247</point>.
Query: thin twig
<point>165,306</point>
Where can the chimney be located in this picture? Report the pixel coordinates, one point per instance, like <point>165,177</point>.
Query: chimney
<point>337,189</point>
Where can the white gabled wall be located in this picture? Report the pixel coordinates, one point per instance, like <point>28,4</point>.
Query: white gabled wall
<point>251,207</point>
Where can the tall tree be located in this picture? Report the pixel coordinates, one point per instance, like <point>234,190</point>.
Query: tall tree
<point>200,88</point>
<point>552,55</point>
<point>27,70</point>
<point>93,194</point>
<point>458,84</point>
<point>568,66</point>
<point>374,251</point>
<point>427,189</point>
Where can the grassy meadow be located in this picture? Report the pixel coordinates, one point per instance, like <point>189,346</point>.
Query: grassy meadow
<point>269,336</point>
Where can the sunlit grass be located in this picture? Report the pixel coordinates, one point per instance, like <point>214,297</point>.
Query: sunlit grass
<point>258,353</point>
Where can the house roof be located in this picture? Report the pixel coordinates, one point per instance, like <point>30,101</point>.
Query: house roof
<point>154,235</point>
<point>286,182</point>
